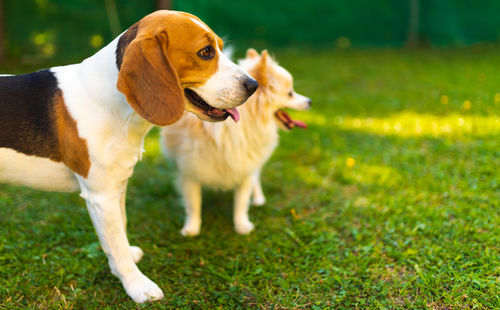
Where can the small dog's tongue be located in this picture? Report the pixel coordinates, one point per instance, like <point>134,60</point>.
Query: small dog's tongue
<point>288,121</point>
<point>300,124</point>
<point>235,115</point>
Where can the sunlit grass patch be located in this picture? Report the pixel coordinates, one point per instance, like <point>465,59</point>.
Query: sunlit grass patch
<point>343,170</point>
<point>411,124</point>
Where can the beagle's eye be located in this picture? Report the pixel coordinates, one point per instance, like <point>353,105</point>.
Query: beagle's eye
<point>290,94</point>
<point>207,52</point>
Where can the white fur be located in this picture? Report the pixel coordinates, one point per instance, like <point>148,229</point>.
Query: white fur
<point>44,173</point>
<point>115,136</point>
<point>228,155</point>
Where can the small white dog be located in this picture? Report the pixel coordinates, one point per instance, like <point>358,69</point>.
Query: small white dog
<point>228,155</point>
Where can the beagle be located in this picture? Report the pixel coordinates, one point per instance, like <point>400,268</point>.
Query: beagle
<point>82,126</point>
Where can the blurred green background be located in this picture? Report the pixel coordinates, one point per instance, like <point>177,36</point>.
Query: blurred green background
<point>37,30</point>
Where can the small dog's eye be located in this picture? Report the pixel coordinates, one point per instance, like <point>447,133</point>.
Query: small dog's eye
<point>206,53</point>
<point>290,94</point>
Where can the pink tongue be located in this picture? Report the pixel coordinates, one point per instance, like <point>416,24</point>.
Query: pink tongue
<point>235,115</point>
<point>300,124</point>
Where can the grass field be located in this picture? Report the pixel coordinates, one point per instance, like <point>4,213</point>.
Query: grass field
<point>390,199</point>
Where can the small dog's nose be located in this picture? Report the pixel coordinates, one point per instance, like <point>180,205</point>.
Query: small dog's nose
<point>251,85</point>
<point>309,102</point>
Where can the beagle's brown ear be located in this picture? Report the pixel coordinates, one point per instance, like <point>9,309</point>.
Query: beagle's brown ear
<point>149,81</point>
<point>252,53</point>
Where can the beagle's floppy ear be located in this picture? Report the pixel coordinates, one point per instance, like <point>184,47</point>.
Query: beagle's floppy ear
<point>252,53</point>
<point>149,81</point>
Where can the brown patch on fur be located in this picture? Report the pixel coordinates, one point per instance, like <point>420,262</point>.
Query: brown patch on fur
<point>185,39</point>
<point>72,150</point>
<point>161,61</point>
<point>34,121</point>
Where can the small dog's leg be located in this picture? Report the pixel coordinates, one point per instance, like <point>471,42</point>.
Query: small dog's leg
<point>258,198</point>
<point>136,251</point>
<point>104,210</point>
<point>242,224</point>
<point>191,194</point>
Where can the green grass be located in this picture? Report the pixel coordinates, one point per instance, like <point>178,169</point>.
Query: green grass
<point>390,199</point>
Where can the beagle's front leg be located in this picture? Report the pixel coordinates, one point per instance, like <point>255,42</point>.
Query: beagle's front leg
<point>137,252</point>
<point>105,212</point>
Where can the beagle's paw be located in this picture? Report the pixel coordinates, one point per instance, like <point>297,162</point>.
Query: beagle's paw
<point>243,227</point>
<point>141,289</point>
<point>137,253</point>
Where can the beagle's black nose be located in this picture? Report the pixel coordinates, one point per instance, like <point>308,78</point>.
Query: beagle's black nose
<point>251,86</point>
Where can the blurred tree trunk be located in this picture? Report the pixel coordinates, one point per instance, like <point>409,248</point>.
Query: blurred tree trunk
<point>413,36</point>
<point>164,4</point>
<point>114,21</point>
<point>2,37</point>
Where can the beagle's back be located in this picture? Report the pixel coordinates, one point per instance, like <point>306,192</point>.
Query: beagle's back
<point>26,125</point>
<point>35,131</point>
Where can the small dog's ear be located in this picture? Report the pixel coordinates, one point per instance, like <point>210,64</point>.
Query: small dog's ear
<point>252,53</point>
<point>264,56</point>
<point>261,68</point>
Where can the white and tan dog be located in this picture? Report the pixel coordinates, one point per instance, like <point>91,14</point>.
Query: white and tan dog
<point>82,126</point>
<point>226,155</point>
